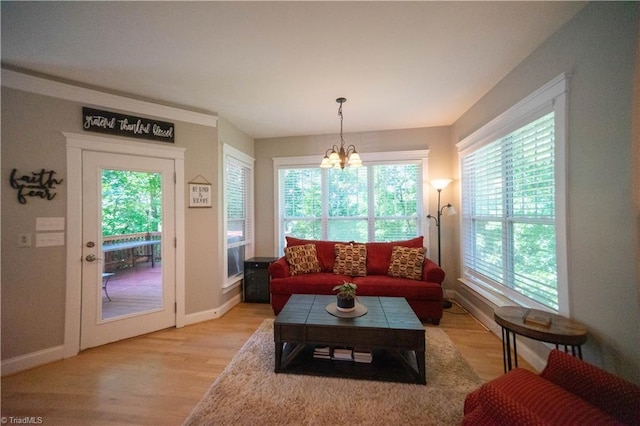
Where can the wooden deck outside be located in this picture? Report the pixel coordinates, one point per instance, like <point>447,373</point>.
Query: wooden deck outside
<point>133,290</point>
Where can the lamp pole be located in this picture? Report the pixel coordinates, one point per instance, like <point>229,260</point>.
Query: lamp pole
<point>437,219</point>
<point>439,185</point>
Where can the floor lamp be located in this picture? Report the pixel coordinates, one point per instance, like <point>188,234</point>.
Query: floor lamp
<point>439,185</point>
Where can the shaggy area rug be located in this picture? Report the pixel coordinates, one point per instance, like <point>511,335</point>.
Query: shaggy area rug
<point>248,392</point>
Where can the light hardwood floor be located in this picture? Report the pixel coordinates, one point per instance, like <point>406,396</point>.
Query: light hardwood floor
<point>156,379</point>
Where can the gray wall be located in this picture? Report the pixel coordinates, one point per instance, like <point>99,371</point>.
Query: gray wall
<point>598,48</point>
<point>33,279</point>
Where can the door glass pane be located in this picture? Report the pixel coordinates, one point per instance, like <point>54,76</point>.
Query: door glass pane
<point>131,242</point>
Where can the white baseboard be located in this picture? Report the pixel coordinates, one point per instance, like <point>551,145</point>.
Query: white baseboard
<point>56,353</point>
<point>479,314</point>
<point>524,350</point>
<point>212,313</point>
<point>30,360</point>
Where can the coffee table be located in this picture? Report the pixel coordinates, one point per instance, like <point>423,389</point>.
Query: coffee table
<point>390,329</point>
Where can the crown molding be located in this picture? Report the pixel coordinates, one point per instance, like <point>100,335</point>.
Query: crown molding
<point>85,96</point>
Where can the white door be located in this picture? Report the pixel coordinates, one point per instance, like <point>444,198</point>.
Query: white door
<point>128,252</point>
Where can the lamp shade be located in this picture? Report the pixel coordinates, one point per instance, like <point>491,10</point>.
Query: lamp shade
<point>325,162</point>
<point>440,184</point>
<point>355,160</point>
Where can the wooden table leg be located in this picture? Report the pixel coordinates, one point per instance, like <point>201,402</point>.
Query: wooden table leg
<point>278,356</point>
<point>420,359</point>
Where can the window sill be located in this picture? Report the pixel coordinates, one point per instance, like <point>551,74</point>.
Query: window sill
<point>495,297</point>
<point>487,292</point>
<point>229,287</point>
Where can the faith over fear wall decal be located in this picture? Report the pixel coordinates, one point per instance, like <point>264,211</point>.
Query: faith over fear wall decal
<point>37,184</point>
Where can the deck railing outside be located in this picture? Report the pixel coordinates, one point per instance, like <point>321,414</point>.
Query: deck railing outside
<point>128,258</point>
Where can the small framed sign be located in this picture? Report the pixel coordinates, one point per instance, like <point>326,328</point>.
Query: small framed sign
<point>199,194</point>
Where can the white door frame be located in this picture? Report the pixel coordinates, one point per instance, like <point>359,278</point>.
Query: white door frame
<point>76,144</point>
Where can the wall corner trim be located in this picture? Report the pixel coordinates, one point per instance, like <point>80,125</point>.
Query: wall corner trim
<point>214,313</point>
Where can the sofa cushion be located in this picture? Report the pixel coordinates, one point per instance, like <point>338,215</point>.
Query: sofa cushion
<point>406,262</point>
<point>320,283</point>
<point>325,251</point>
<point>384,285</point>
<point>302,259</point>
<point>379,254</point>
<point>351,259</point>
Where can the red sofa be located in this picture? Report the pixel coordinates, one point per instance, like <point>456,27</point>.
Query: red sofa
<point>424,296</point>
<point>569,391</point>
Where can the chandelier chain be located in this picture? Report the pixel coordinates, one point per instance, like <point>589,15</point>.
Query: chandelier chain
<point>338,157</point>
<point>341,119</point>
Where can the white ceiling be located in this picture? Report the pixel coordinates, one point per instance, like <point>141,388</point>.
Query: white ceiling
<point>276,68</point>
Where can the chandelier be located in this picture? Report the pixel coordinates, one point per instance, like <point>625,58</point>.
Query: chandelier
<point>336,157</point>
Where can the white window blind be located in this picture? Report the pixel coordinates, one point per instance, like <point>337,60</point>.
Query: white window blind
<point>508,212</point>
<point>300,203</point>
<point>347,204</point>
<point>397,199</point>
<point>378,202</point>
<point>238,212</point>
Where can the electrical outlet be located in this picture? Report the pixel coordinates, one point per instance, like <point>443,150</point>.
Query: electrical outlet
<point>24,240</point>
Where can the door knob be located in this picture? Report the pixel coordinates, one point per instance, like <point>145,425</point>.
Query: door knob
<point>91,258</point>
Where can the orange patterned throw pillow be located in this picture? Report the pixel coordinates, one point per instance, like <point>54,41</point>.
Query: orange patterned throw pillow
<point>302,259</point>
<point>406,262</point>
<point>351,259</point>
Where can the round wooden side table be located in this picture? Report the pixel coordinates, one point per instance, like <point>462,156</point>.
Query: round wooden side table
<point>532,323</point>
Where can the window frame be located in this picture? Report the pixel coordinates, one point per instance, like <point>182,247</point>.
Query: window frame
<point>552,97</point>
<point>420,157</point>
<point>230,153</point>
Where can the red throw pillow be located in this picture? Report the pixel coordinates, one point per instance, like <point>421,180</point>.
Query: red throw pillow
<point>379,254</point>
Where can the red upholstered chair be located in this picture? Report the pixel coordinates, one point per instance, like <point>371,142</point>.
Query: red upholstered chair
<point>569,391</point>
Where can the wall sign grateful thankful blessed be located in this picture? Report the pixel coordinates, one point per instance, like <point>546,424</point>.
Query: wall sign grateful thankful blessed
<point>94,120</point>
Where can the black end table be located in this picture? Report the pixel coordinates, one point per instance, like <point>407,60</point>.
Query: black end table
<point>255,285</point>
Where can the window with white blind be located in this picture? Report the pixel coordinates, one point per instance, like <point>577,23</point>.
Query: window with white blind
<point>512,188</point>
<point>238,220</point>
<point>381,201</point>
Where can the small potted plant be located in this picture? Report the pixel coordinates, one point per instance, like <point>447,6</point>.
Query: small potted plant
<point>346,296</point>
